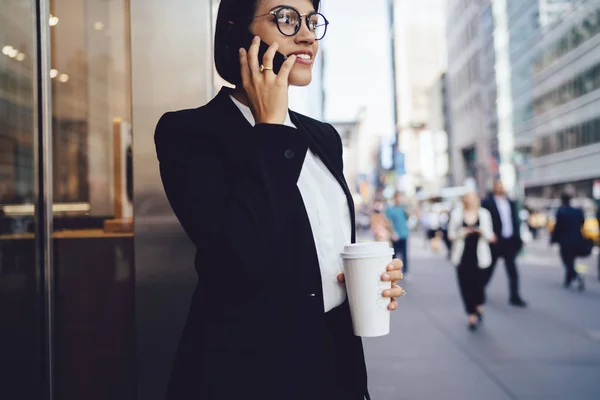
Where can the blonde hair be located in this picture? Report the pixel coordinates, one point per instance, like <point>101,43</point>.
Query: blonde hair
<point>475,196</point>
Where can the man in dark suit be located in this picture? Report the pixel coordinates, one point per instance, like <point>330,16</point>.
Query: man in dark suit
<point>506,227</point>
<point>567,233</point>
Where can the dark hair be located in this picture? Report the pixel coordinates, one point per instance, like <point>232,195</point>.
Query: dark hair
<point>565,199</point>
<point>226,45</point>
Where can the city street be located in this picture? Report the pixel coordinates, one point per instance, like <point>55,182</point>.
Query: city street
<point>550,350</point>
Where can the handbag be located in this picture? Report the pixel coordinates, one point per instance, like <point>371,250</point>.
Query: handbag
<point>584,248</point>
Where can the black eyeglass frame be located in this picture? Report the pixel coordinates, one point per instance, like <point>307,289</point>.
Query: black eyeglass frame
<point>305,16</point>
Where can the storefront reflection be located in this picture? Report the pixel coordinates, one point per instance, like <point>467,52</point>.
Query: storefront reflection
<point>21,316</point>
<point>93,214</point>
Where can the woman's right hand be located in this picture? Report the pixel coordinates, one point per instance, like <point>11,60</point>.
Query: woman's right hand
<point>266,91</point>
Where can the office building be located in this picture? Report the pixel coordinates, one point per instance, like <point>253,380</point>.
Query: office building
<point>528,21</point>
<point>563,131</point>
<point>435,165</point>
<point>471,86</point>
<point>420,46</point>
<point>492,47</point>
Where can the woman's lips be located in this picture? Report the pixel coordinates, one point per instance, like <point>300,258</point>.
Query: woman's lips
<point>303,58</point>
<point>304,61</point>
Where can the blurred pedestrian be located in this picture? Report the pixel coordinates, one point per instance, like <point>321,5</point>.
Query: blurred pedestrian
<point>444,223</point>
<point>398,217</point>
<point>471,231</point>
<point>567,233</point>
<point>598,220</point>
<point>505,219</point>
<point>259,189</point>
<point>380,225</point>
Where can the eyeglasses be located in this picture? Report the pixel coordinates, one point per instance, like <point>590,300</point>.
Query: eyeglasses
<point>289,20</point>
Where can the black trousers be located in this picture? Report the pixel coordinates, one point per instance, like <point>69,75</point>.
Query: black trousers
<point>567,254</point>
<point>470,282</point>
<point>508,250</point>
<point>337,386</point>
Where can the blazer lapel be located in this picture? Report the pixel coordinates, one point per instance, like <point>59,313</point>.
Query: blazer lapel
<point>322,149</point>
<point>224,105</point>
<point>495,211</point>
<point>318,145</point>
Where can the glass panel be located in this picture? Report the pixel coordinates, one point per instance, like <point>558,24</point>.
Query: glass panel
<point>93,239</point>
<point>20,299</point>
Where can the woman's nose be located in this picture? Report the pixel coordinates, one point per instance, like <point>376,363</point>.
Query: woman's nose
<point>305,35</point>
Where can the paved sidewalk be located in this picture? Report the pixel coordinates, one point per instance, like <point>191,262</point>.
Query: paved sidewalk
<point>549,351</point>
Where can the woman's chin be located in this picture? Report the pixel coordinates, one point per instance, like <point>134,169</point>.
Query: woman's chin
<point>302,79</point>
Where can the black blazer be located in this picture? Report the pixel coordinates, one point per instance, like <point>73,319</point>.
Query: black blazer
<point>567,230</point>
<point>490,204</point>
<point>255,328</point>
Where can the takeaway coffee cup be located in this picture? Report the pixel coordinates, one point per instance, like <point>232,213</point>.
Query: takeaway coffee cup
<point>364,263</point>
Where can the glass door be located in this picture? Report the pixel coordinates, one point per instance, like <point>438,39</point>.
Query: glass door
<point>22,332</point>
<point>93,258</point>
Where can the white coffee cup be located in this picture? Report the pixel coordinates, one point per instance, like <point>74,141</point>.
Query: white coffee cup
<point>364,263</point>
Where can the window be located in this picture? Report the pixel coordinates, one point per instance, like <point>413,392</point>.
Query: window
<point>578,35</point>
<point>574,137</point>
<point>579,86</point>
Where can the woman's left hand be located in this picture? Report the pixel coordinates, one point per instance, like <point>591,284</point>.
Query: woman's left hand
<point>393,274</point>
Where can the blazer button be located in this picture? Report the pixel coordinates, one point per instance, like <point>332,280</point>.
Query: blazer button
<point>312,295</point>
<point>289,153</point>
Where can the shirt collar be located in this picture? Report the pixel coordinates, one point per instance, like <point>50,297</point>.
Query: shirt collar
<point>247,113</point>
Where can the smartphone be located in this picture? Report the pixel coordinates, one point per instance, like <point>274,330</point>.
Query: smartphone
<point>244,40</point>
<point>278,59</point>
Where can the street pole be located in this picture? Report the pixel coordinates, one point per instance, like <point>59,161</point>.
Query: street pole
<point>392,33</point>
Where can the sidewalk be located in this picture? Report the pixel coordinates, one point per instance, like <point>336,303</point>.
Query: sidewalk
<point>549,351</point>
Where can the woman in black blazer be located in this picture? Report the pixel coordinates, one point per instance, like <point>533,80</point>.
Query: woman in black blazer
<point>267,320</point>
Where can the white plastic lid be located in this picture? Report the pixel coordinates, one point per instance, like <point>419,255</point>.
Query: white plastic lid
<point>367,250</point>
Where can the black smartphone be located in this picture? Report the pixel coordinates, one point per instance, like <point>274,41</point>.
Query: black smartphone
<point>278,59</point>
<point>244,39</point>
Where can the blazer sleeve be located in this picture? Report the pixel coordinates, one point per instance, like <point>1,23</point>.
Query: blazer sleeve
<point>234,204</point>
<point>487,228</point>
<point>340,148</point>
<point>455,225</point>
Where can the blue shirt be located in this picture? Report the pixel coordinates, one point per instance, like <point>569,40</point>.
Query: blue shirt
<point>398,217</point>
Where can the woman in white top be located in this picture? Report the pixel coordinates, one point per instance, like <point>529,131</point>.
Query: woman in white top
<point>471,231</point>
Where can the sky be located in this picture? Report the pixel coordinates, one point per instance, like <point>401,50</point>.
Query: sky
<point>358,71</point>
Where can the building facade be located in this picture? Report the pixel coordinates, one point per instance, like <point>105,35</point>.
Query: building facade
<point>420,45</point>
<point>528,22</point>
<point>471,83</point>
<point>492,49</point>
<point>435,164</point>
<point>563,131</point>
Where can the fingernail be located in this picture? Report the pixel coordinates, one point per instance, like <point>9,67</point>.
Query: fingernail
<point>256,38</point>
<point>241,51</point>
<point>387,293</point>
<point>386,276</point>
<point>403,292</point>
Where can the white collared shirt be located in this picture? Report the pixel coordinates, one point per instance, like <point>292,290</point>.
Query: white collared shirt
<point>505,215</point>
<point>329,216</point>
